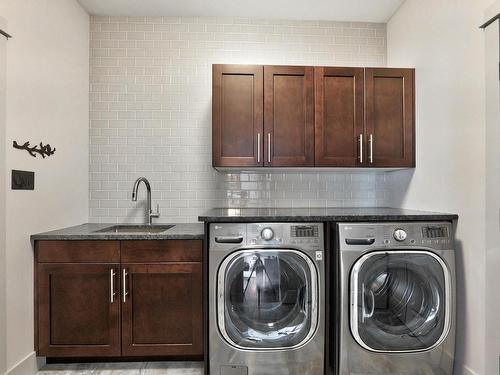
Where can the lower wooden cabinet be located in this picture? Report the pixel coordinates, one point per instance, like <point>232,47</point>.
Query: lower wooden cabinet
<point>161,310</point>
<point>84,308</point>
<point>77,314</point>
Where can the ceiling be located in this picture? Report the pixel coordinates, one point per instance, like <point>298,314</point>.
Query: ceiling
<point>337,10</point>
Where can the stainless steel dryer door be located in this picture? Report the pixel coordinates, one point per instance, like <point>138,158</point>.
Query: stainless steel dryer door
<point>400,301</point>
<point>267,299</point>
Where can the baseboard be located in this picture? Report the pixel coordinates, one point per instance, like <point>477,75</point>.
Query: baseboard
<point>27,366</point>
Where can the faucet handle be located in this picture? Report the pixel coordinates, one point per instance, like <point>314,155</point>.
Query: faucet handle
<point>157,213</point>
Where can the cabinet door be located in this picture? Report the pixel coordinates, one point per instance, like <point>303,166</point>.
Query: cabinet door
<point>78,310</point>
<point>390,117</point>
<point>162,309</point>
<point>237,115</point>
<point>289,116</point>
<point>339,118</point>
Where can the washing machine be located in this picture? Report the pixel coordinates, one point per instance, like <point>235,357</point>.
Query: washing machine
<point>396,298</point>
<point>266,299</point>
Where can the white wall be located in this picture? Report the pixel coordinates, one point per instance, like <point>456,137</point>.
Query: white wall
<point>441,39</point>
<point>492,232</point>
<point>3,51</point>
<point>151,112</point>
<point>47,100</point>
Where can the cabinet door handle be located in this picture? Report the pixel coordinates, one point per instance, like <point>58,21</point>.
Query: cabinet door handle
<point>371,148</point>
<point>269,148</point>
<point>361,148</point>
<point>112,284</point>
<point>124,285</point>
<point>258,147</point>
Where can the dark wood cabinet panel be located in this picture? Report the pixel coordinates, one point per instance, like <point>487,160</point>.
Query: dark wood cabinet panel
<point>288,116</point>
<point>339,120</point>
<point>78,251</point>
<point>76,312</point>
<point>389,111</point>
<point>237,115</point>
<point>142,251</point>
<point>162,311</point>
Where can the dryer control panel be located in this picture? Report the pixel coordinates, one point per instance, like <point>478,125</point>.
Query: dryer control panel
<point>356,236</point>
<point>435,231</point>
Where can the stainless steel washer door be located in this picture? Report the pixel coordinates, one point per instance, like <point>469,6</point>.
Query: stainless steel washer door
<point>400,301</point>
<point>267,299</point>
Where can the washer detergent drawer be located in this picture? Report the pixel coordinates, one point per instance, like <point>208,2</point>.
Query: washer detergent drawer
<point>234,370</point>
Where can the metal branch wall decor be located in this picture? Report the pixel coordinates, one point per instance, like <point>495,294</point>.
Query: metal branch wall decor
<point>40,149</point>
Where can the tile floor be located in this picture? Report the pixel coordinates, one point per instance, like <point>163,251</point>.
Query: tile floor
<point>124,368</point>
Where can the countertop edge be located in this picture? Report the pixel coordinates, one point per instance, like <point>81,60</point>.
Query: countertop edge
<point>119,237</point>
<point>333,218</point>
<point>90,232</point>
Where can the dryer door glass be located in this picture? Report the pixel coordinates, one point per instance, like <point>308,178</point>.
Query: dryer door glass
<point>400,301</point>
<point>267,299</point>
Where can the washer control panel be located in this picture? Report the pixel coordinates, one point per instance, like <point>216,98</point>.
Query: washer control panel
<point>400,235</point>
<point>267,234</point>
<point>304,231</point>
<point>307,236</point>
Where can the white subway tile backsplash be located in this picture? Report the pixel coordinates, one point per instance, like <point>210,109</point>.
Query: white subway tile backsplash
<point>150,113</point>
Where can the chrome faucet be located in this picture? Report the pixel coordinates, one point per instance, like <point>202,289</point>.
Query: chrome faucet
<point>149,212</point>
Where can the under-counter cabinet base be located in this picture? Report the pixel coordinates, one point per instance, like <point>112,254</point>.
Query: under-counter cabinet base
<point>304,116</point>
<point>119,298</point>
<point>76,315</point>
<point>161,313</point>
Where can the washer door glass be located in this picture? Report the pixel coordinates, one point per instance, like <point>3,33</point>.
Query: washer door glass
<point>399,301</point>
<point>267,299</point>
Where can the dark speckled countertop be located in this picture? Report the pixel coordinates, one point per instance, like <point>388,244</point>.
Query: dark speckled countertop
<point>321,214</point>
<point>88,232</point>
<point>196,230</point>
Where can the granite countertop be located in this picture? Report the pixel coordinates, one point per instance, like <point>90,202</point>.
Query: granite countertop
<point>184,231</point>
<point>321,214</point>
<point>196,230</point>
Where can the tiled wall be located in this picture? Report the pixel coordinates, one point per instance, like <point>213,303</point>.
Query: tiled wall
<point>150,112</point>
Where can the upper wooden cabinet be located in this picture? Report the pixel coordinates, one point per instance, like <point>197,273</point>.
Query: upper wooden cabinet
<point>289,116</point>
<point>338,116</point>
<point>296,116</point>
<point>237,115</point>
<point>390,117</point>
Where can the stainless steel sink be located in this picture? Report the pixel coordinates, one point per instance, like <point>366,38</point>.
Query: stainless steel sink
<point>135,229</point>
